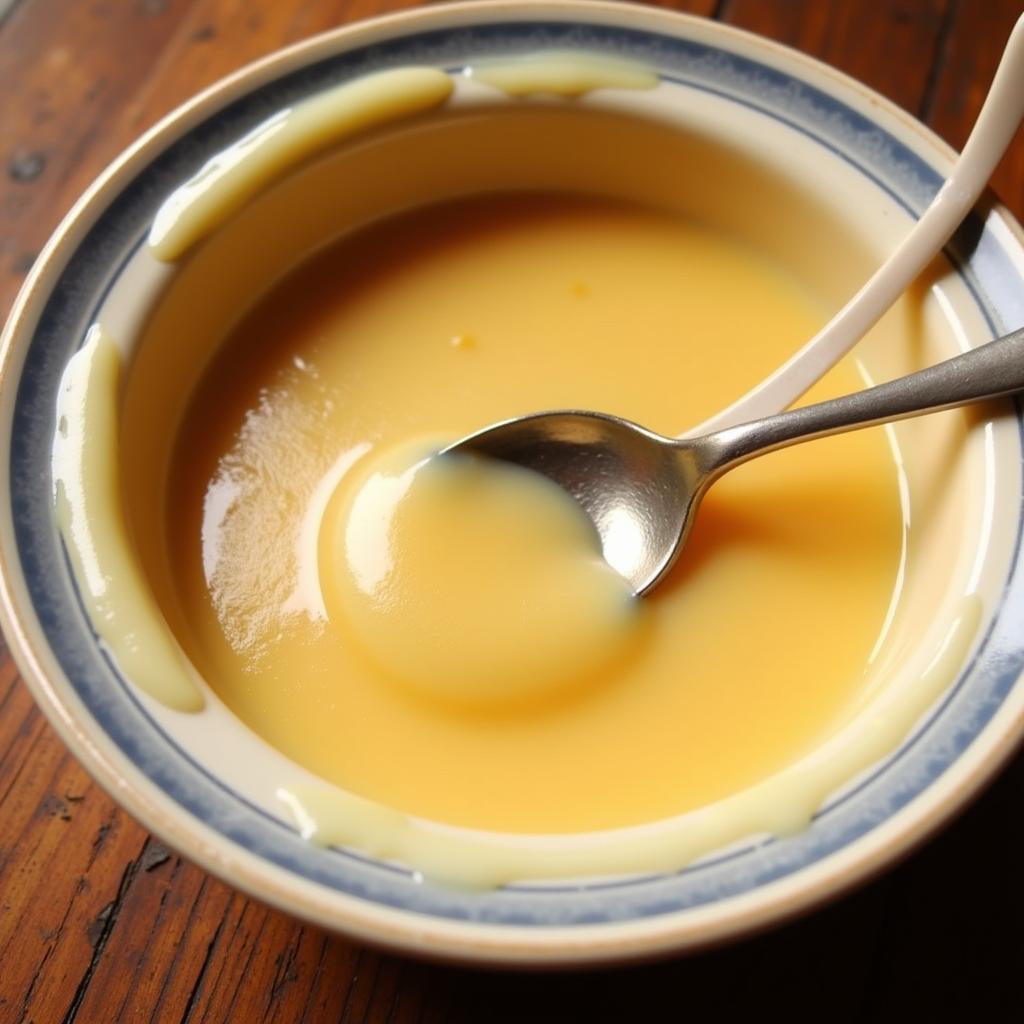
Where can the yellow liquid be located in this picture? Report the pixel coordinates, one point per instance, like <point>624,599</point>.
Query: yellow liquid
<point>472,582</point>
<point>439,323</point>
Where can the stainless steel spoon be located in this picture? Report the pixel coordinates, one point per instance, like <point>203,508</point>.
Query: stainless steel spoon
<point>641,490</point>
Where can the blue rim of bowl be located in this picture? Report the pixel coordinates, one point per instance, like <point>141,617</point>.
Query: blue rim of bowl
<point>108,245</point>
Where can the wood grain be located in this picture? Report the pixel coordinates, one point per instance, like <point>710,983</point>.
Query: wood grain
<point>99,923</point>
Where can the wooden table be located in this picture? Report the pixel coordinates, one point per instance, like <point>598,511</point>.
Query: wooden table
<point>100,923</point>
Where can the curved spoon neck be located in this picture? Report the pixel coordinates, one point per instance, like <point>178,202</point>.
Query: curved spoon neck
<point>704,459</point>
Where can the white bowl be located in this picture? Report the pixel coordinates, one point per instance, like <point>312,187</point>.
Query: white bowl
<point>740,132</point>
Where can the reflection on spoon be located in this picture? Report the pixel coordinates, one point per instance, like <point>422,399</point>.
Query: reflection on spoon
<point>641,490</point>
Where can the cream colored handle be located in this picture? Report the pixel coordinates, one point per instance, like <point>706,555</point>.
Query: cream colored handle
<point>998,121</point>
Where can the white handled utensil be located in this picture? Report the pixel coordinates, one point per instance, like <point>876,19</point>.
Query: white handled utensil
<point>998,121</point>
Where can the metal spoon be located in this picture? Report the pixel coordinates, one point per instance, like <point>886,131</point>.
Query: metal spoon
<point>641,490</point>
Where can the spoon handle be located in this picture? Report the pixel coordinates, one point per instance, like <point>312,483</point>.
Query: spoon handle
<point>989,371</point>
<point>997,122</point>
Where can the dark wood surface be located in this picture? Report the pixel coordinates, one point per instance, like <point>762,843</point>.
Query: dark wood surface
<point>99,923</point>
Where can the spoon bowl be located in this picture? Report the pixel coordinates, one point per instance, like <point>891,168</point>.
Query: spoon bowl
<point>641,490</point>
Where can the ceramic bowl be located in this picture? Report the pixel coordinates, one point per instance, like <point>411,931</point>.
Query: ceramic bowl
<point>740,133</point>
